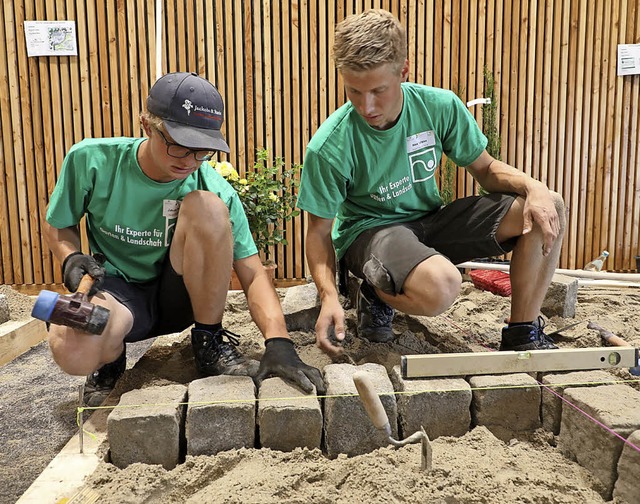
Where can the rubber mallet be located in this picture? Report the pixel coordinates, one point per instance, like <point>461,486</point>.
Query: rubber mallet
<point>72,310</point>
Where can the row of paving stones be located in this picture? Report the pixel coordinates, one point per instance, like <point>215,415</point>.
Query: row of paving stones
<point>159,425</point>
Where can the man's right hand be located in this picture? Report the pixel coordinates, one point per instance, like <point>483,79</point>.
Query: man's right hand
<point>76,265</point>
<point>331,316</point>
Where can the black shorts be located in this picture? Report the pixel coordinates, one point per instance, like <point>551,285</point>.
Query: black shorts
<point>463,230</point>
<point>161,306</point>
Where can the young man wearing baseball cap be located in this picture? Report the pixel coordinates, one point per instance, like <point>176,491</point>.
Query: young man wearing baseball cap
<point>164,230</point>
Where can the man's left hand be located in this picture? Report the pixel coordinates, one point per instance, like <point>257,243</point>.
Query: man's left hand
<point>539,208</point>
<point>281,359</point>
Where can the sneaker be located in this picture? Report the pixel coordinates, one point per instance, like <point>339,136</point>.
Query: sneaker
<point>100,383</point>
<point>525,337</point>
<point>374,316</point>
<point>214,356</point>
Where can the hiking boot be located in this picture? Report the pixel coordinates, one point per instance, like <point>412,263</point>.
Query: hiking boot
<point>100,383</point>
<point>374,316</point>
<point>214,356</point>
<point>525,337</point>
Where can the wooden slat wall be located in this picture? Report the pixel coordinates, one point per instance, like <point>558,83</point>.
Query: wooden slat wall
<point>565,117</point>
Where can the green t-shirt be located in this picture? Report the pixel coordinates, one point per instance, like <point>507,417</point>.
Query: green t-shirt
<point>131,218</point>
<point>366,177</point>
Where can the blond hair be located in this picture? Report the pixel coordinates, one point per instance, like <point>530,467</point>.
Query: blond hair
<point>152,119</point>
<point>368,40</point>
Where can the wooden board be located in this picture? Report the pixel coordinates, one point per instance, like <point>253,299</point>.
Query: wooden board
<point>18,336</point>
<point>63,478</point>
<point>481,363</point>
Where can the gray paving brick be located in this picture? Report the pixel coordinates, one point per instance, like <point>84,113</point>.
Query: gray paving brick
<point>347,427</point>
<point>441,405</point>
<point>147,426</point>
<point>561,297</point>
<point>509,405</point>
<point>287,417</point>
<point>227,422</point>
<point>628,483</point>
<point>558,382</point>
<point>596,449</point>
<point>301,307</point>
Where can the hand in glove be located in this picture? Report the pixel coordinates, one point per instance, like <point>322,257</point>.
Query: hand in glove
<point>281,359</point>
<point>76,265</point>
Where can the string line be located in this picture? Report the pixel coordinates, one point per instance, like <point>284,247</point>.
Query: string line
<point>597,422</point>
<point>549,387</point>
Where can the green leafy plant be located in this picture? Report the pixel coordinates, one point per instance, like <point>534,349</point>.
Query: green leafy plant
<point>268,194</point>
<point>490,120</point>
<point>448,182</point>
<point>490,116</point>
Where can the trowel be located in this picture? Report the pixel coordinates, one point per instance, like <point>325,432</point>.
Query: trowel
<point>374,408</point>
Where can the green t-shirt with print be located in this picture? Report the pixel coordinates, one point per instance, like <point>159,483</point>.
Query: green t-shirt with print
<point>131,218</point>
<point>366,177</point>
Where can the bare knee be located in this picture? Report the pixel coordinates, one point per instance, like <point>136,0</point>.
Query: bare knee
<point>73,359</point>
<point>433,289</point>
<point>79,353</point>
<point>560,208</point>
<point>203,207</point>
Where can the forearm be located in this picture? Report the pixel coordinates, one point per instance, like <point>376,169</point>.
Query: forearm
<point>321,258</point>
<point>498,176</point>
<point>61,242</point>
<point>263,301</point>
<point>267,313</point>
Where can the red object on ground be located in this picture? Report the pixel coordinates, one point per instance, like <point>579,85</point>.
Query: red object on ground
<point>497,282</point>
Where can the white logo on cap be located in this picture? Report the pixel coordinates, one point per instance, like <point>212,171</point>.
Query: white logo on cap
<point>187,105</point>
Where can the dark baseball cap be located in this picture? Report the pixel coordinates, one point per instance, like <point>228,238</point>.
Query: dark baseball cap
<point>191,108</point>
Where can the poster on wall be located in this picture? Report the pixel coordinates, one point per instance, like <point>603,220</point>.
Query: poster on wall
<point>628,59</point>
<point>51,38</point>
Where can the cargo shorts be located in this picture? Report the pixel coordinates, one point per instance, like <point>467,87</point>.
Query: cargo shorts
<point>463,230</point>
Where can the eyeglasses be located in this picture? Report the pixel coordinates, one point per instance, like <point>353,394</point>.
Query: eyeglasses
<point>178,151</point>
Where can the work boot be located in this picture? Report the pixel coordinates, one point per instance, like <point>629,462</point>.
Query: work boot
<point>100,383</point>
<point>214,356</point>
<point>374,316</point>
<point>521,338</point>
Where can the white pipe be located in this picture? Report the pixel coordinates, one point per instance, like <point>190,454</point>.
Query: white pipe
<point>597,275</point>
<point>158,39</point>
<point>478,101</point>
<point>587,282</point>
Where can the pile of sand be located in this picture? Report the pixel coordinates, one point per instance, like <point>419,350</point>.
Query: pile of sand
<point>474,468</point>
<point>19,305</point>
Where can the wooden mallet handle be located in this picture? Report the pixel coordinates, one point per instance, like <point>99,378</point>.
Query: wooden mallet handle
<point>85,284</point>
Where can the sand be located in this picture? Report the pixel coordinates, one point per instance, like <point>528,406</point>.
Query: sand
<point>474,468</point>
<point>19,305</point>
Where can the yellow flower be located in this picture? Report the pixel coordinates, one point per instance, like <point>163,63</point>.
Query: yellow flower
<point>273,197</point>
<point>243,181</point>
<point>227,170</point>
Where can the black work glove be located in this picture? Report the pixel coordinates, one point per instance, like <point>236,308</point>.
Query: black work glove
<point>281,359</point>
<point>76,265</point>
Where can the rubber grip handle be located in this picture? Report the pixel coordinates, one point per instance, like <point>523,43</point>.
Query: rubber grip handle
<point>85,284</point>
<point>371,400</point>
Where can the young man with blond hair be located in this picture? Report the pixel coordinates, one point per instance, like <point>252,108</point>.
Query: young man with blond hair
<point>369,188</point>
<point>164,231</point>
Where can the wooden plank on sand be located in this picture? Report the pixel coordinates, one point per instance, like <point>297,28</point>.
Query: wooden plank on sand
<point>18,336</point>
